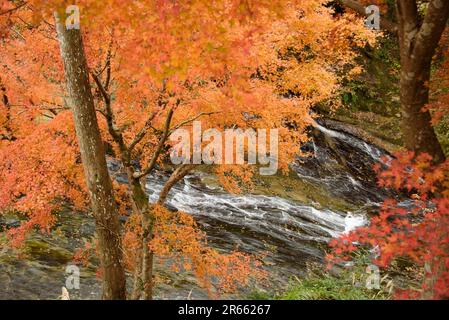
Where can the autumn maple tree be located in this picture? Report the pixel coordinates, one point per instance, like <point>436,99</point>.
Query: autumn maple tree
<point>154,67</point>
<point>416,231</point>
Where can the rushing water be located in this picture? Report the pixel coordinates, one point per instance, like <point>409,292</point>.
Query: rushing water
<point>293,233</point>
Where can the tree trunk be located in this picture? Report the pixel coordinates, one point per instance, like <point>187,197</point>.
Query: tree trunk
<point>418,40</point>
<point>147,257</point>
<point>417,130</point>
<point>94,161</point>
<point>418,43</point>
<point>143,273</point>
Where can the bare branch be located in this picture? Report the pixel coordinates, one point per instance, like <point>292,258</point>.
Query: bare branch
<point>159,147</point>
<point>141,134</point>
<point>107,64</point>
<point>13,9</point>
<point>54,110</point>
<point>104,93</point>
<point>175,177</point>
<point>179,125</point>
<point>113,131</point>
<point>166,133</point>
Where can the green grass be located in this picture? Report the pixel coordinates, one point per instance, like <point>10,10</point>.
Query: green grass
<point>348,283</point>
<point>328,287</point>
<point>324,287</point>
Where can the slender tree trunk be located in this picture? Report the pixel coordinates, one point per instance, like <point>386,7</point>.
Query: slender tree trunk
<point>143,273</point>
<point>147,257</point>
<point>418,43</point>
<point>94,161</point>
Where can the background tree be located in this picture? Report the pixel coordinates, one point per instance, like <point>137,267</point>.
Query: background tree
<point>419,27</point>
<point>418,42</point>
<point>416,233</point>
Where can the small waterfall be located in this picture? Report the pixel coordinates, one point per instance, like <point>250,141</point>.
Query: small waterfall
<point>292,233</point>
<point>342,164</point>
<point>372,151</point>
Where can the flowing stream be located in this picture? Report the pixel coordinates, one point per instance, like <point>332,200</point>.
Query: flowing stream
<point>293,231</point>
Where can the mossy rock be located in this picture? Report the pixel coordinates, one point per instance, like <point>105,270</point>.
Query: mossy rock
<point>44,251</point>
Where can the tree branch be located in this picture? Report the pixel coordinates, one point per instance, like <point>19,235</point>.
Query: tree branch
<point>13,9</point>
<point>179,125</point>
<point>141,134</point>
<point>108,63</point>
<point>432,28</point>
<point>113,131</point>
<point>175,177</point>
<point>104,93</point>
<point>159,147</point>
<point>166,133</point>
